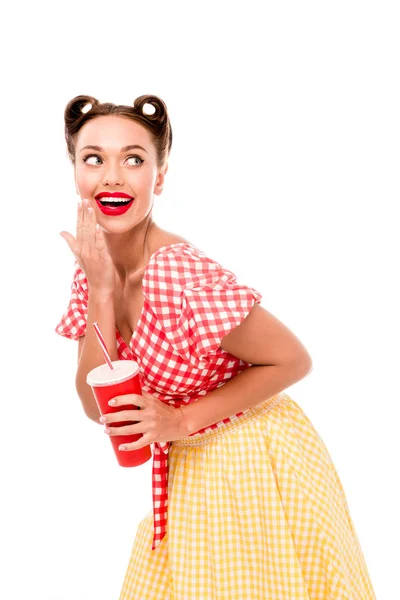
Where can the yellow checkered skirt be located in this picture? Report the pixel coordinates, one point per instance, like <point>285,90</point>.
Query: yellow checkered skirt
<point>256,512</point>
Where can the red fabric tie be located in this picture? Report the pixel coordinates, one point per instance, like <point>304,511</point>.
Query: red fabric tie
<point>160,491</point>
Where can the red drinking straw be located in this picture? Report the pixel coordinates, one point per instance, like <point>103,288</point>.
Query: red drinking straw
<point>102,344</point>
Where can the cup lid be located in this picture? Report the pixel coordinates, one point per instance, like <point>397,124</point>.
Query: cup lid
<point>121,371</point>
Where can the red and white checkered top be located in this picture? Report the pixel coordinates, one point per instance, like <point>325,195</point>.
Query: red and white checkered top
<point>190,303</point>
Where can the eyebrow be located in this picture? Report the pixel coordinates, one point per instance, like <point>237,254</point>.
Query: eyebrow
<point>124,149</point>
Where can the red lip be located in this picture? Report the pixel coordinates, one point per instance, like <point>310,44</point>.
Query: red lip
<point>113,211</point>
<point>112,195</point>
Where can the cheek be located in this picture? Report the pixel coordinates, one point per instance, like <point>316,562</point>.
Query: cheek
<point>85,180</point>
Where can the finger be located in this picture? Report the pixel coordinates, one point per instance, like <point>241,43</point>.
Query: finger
<point>145,440</point>
<point>86,247</point>
<point>92,213</point>
<point>100,242</point>
<point>99,239</point>
<point>121,415</point>
<point>79,225</point>
<point>134,399</point>
<point>91,229</point>
<point>85,220</point>
<point>125,429</point>
<point>69,239</point>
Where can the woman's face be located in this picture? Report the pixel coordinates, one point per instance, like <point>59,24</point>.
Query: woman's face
<point>112,169</point>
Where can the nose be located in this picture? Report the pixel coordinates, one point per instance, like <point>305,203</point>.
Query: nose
<point>112,176</point>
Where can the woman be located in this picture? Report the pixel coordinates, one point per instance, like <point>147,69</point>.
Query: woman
<point>247,503</point>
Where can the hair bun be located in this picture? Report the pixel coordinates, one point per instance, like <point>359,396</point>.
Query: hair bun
<point>74,109</point>
<point>159,116</point>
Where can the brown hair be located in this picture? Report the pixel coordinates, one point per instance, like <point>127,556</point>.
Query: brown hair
<point>158,123</point>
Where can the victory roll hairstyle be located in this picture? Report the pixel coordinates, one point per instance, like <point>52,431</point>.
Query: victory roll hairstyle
<point>157,123</point>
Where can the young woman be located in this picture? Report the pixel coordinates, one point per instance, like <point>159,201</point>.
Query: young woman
<point>247,503</point>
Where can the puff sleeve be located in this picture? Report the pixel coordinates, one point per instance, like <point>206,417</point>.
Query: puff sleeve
<point>73,322</point>
<point>197,302</point>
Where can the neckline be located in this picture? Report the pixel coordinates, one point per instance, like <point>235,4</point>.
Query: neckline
<point>129,346</point>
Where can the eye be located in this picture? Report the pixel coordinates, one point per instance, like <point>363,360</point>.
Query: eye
<point>138,158</point>
<point>85,160</point>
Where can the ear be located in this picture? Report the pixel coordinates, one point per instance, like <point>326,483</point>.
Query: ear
<point>158,187</point>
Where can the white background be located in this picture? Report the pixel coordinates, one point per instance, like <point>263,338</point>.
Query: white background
<point>284,168</point>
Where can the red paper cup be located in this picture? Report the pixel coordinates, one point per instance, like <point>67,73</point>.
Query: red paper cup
<point>107,383</point>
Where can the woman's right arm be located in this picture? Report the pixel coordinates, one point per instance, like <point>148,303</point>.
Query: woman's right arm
<point>91,252</point>
<point>100,309</point>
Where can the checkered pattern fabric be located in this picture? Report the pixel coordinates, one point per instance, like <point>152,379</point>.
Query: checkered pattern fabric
<point>190,303</point>
<point>256,511</point>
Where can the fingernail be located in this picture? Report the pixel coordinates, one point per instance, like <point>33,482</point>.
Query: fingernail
<point>111,402</point>
<point>102,419</point>
<point>90,210</point>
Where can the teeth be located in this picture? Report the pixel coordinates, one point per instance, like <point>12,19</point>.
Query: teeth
<point>110,199</point>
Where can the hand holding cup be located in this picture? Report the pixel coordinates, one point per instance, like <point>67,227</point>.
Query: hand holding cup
<point>157,421</point>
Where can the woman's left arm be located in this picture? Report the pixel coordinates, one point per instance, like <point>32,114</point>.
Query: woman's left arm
<point>278,360</point>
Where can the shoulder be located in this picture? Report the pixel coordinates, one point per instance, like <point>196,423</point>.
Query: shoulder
<point>175,259</point>
<point>161,237</point>
<point>177,264</point>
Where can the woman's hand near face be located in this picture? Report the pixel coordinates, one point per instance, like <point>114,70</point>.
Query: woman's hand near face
<point>91,252</point>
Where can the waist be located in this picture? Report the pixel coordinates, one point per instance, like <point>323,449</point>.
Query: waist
<point>222,428</point>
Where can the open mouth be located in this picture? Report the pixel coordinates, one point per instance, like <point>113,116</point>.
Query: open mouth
<point>118,203</point>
